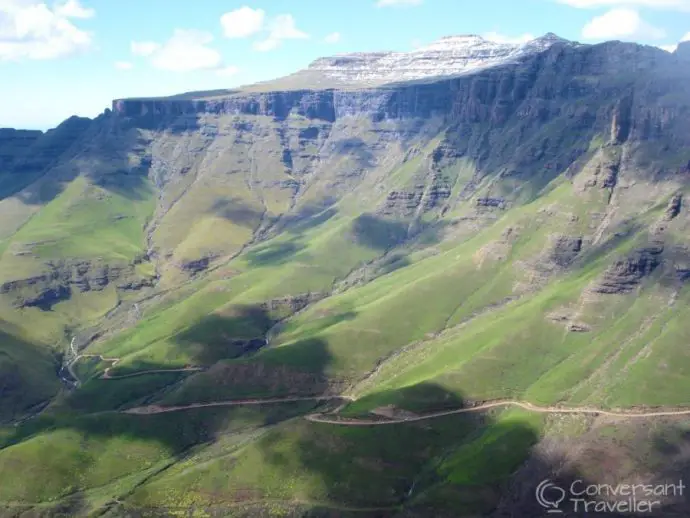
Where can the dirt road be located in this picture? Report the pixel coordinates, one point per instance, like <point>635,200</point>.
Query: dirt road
<point>335,420</point>
<point>114,361</point>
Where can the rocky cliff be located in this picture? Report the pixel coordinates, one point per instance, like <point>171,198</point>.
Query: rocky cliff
<point>520,122</point>
<point>26,155</point>
<point>553,83</point>
<point>517,232</point>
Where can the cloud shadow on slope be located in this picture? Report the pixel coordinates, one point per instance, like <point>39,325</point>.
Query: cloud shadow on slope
<point>216,337</point>
<point>273,254</point>
<point>435,468</point>
<point>378,233</point>
<point>101,152</point>
<point>295,370</point>
<point>28,376</point>
<point>617,453</point>
<point>357,149</point>
<point>389,467</point>
<point>237,211</point>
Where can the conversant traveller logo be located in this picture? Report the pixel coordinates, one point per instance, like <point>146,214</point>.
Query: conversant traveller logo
<point>602,498</point>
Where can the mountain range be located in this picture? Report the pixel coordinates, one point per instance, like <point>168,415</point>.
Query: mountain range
<point>391,284</point>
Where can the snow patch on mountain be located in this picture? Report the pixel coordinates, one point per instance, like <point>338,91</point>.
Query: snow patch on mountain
<point>449,56</point>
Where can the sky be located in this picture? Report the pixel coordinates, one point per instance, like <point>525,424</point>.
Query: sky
<point>73,57</point>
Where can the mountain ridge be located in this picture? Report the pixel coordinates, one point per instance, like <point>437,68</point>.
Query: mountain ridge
<point>519,233</point>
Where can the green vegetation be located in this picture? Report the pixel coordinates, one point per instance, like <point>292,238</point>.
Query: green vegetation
<point>511,251</point>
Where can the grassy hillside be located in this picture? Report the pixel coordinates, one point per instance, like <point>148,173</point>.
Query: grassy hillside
<point>518,234</point>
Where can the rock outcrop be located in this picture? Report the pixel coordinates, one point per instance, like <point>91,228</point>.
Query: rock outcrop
<point>624,275</point>
<point>674,207</point>
<point>63,278</point>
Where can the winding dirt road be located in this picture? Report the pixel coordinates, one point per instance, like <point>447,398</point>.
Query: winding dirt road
<point>155,409</point>
<point>114,361</point>
<point>333,419</point>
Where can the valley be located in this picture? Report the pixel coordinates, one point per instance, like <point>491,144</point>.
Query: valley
<point>353,293</point>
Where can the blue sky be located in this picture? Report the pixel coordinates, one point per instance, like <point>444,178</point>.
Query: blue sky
<point>66,57</point>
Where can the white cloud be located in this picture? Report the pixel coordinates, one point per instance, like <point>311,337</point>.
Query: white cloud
<point>144,48</point>
<point>29,29</point>
<point>680,5</point>
<point>242,22</point>
<point>73,9</point>
<point>266,45</point>
<point>391,3</point>
<point>227,71</point>
<point>334,37</point>
<point>123,65</point>
<point>185,51</point>
<point>503,38</point>
<point>280,28</point>
<point>620,24</point>
<point>672,48</point>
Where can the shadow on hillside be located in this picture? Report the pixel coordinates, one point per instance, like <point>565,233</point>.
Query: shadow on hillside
<point>483,464</point>
<point>431,233</point>
<point>621,233</point>
<point>175,120</point>
<point>237,211</point>
<point>460,465</point>
<point>103,155</point>
<point>393,262</point>
<point>273,254</point>
<point>297,370</point>
<point>388,467</point>
<point>217,337</point>
<point>28,376</point>
<point>21,166</point>
<point>378,233</point>
<point>307,217</point>
<point>647,469</point>
<point>357,149</point>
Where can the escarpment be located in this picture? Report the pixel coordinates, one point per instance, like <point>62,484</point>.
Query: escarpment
<point>211,174</point>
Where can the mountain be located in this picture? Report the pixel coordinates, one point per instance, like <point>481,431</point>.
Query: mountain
<point>450,56</point>
<point>494,231</point>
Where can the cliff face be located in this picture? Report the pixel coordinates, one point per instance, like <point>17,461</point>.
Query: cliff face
<point>251,163</point>
<point>26,155</point>
<point>541,88</point>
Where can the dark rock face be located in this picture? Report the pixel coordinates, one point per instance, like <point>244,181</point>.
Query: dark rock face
<point>25,155</point>
<point>309,104</point>
<point>621,124</point>
<point>576,327</point>
<point>499,203</point>
<point>565,250</point>
<point>196,266</point>
<point>294,303</point>
<point>424,196</point>
<point>533,90</point>
<point>674,207</point>
<point>46,299</point>
<point>625,274</point>
<point>683,274</point>
<point>66,277</point>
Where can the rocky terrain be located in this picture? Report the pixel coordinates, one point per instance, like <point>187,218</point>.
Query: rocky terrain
<point>410,232</point>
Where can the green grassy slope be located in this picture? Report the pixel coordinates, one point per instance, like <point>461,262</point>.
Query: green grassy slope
<point>535,251</point>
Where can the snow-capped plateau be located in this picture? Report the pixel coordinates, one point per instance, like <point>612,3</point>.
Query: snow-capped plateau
<point>452,55</point>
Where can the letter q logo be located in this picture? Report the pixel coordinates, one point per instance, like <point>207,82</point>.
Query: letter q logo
<point>550,496</point>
